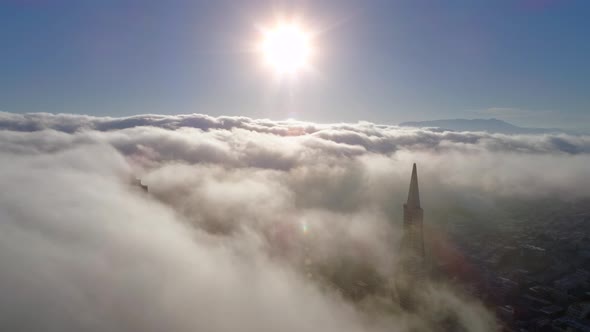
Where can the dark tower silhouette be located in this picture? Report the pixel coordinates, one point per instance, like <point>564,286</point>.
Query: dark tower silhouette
<point>413,241</point>
<point>412,268</point>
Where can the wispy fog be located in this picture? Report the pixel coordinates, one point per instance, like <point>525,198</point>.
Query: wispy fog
<point>249,225</point>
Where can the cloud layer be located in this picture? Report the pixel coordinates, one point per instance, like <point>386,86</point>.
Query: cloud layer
<point>249,225</point>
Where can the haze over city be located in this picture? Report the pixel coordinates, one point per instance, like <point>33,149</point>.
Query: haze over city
<point>294,165</point>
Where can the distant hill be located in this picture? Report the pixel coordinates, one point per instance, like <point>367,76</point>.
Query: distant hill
<point>487,125</point>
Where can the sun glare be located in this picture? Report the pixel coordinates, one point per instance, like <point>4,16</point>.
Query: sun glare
<point>286,48</point>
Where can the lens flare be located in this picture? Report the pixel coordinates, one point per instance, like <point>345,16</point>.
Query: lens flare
<point>304,227</point>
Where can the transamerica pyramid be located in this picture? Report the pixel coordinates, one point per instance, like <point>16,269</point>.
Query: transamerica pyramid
<point>413,240</point>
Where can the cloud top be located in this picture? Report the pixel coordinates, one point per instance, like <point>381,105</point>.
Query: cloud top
<point>249,225</point>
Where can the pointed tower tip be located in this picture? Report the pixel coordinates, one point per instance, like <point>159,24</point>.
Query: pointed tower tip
<point>414,193</point>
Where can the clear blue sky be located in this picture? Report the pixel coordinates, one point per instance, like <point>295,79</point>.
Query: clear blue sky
<point>383,61</point>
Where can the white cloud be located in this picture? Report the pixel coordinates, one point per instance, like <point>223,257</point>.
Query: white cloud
<point>237,208</point>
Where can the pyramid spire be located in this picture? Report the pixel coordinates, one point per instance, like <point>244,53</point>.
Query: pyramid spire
<point>414,193</point>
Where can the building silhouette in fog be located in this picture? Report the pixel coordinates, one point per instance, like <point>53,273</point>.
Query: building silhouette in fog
<point>412,263</point>
<point>413,239</point>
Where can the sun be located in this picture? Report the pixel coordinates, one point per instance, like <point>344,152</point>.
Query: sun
<point>286,48</point>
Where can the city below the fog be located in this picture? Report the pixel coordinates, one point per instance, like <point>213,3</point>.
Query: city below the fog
<point>531,263</point>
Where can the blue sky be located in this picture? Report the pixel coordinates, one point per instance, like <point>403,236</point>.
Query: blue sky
<point>381,61</point>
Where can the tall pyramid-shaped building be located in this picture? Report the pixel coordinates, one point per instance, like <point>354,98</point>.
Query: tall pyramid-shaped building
<point>413,240</point>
